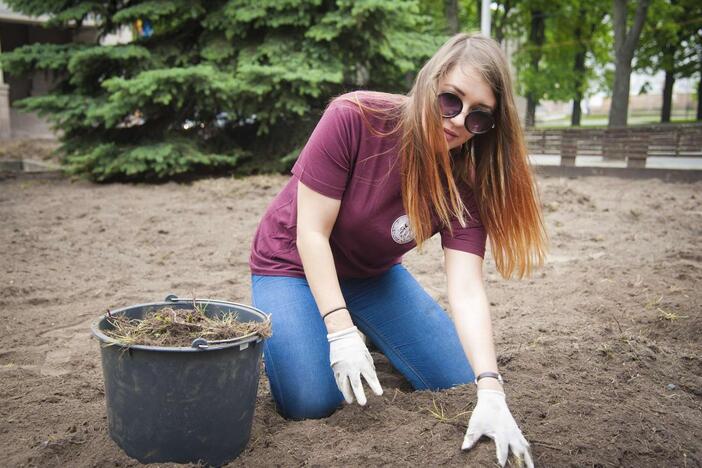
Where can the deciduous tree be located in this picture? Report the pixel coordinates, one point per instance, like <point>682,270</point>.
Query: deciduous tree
<point>626,38</point>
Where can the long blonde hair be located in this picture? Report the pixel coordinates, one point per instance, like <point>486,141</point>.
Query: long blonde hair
<point>495,164</point>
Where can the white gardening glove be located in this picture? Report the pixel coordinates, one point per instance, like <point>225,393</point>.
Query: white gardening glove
<point>350,360</point>
<point>492,418</point>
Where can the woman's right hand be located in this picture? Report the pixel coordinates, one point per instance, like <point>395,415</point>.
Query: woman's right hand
<point>492,418</point>
<point>350,359</point>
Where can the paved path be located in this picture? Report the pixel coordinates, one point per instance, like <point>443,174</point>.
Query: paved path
<point>598,161</point>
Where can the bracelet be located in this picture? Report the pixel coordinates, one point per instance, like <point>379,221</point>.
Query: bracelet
<point>493,375</point>
<point>333,310</point>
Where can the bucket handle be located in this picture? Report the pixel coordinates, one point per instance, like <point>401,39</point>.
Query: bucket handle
<point>201,343</point>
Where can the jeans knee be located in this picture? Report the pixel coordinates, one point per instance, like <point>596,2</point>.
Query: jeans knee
<point>297,406</point>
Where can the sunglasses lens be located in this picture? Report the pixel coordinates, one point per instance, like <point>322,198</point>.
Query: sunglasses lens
<point>478,122</point>
<point>450,105</point>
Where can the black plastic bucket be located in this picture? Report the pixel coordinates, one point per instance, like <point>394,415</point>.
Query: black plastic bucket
<point>182,404</point>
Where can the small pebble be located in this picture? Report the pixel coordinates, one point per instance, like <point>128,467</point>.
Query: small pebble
<point>671,386</point>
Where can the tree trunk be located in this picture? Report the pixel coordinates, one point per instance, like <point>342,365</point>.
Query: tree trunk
<point>699,99</point>
<point>530,120</point>
<point>620,94</point>
<point>624,46</point>
<point>478,12</point>
<point>579,69</point>
<point>451,12</point>
<point>667,96</point>
<point>536,41</point>
<point>577,112</point>
<point>499,21</point>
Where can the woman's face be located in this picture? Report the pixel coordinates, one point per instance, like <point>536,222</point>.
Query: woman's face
<point>474,92</point>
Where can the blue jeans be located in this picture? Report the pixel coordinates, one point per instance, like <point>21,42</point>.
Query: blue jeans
<point>391,309</point>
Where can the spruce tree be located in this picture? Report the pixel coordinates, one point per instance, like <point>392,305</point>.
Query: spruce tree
<point>206,82</point>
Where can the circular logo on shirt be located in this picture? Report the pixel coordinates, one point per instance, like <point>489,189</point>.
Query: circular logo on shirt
<point>401,231</point>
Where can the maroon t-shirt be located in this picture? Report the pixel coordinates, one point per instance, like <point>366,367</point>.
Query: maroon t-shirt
<point>344,160</point>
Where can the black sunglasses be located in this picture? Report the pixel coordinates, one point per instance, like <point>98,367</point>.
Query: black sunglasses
<point>476,122</point>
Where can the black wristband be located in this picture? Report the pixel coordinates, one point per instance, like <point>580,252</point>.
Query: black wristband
<point>333,310</point>
<point>492,375</point>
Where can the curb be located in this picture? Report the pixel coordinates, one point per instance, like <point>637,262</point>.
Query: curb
<point>13,168</point>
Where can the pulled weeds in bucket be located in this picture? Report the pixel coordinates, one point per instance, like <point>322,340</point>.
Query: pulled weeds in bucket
<point>179,327</point>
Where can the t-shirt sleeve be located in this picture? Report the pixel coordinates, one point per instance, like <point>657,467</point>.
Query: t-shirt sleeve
<point>472,237</point>
<point>326,162</point>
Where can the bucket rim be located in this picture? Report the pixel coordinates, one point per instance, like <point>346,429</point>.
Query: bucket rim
<point>106,341</point>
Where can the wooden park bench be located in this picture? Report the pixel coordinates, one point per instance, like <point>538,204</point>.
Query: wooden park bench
<point>631,144</point>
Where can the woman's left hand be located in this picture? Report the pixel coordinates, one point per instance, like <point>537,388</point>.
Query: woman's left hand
<point>492,418</point>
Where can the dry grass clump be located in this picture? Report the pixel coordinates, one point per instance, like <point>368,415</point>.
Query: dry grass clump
<point>179,327</point>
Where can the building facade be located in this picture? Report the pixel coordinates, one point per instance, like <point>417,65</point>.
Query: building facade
<point>17,30</point>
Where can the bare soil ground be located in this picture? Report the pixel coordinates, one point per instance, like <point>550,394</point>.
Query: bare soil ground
<point>601,349</point>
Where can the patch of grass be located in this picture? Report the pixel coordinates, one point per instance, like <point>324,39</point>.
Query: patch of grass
<point>669,316</point>
<point>654,302</point>
<point>538,341</point>
<point>440,413</point>
<point>601,120</point>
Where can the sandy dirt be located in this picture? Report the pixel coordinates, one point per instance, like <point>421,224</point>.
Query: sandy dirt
<point>601,349</point>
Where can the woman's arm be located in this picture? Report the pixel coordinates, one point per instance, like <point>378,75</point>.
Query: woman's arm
<point>469,308</point>
<point>316,215</point>
<point>348,355</point>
